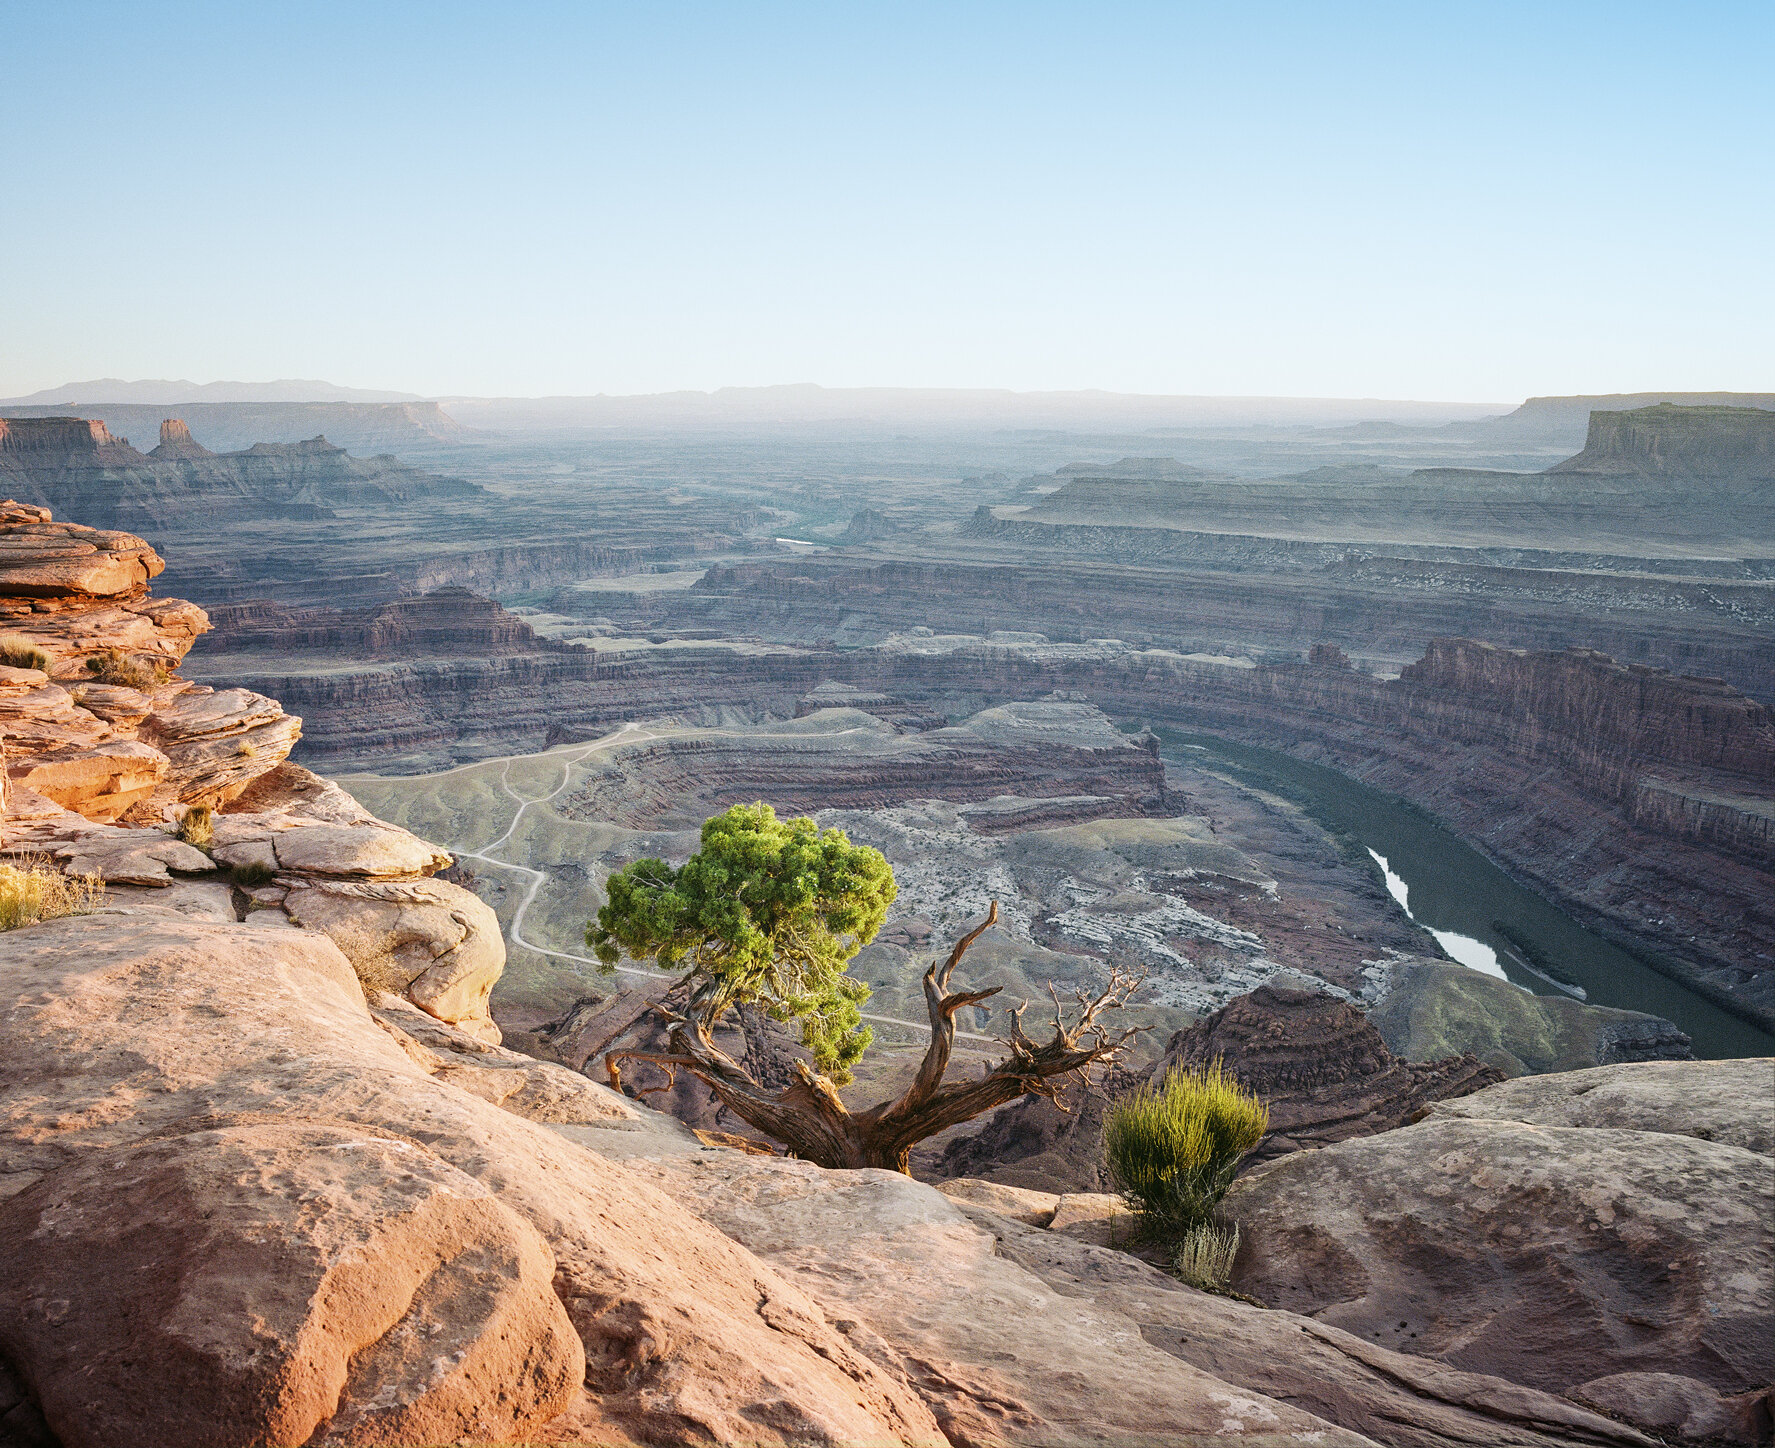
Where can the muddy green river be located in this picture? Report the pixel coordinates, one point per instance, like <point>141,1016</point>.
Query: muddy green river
<point>1479,915</point>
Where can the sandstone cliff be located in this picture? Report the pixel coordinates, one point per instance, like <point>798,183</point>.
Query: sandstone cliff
<point>73,465</point>
<point>106,750</point>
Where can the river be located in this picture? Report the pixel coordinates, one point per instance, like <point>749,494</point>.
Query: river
<point>1477,913</point>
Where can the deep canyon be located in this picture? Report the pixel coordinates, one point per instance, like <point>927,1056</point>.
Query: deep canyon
<point>1165,710</point>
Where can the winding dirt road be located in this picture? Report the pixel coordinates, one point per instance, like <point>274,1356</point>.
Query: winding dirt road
<point>627,734</point>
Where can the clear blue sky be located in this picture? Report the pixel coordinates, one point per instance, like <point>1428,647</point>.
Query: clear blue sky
<point>1431,200</point>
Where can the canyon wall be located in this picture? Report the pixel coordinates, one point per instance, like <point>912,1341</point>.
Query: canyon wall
<point>1734,445</point>
<point>1377,607</point>
<point>1638,799</point>
<point>75,465</point>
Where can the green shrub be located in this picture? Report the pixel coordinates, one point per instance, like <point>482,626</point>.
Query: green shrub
<point>19,652</point>
<point>1204,1256</point>
<point>39,891</point>
<point>251,876</point>
<point>198,827</point>
<point>1172,1149</point>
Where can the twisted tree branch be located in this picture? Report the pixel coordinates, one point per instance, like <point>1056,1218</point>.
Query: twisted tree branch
<point>810,1119</point>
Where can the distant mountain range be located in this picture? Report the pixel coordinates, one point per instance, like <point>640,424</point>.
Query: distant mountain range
<point>161,392</point>
<point>804,404</point>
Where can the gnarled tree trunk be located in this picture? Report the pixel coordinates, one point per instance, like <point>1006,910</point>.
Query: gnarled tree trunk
<point>810,1120</point>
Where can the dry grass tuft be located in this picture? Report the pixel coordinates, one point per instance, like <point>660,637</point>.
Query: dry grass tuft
<point>37,890</point>
<point>1204,1257</point>
<point>372,956</point>
<point>19,652</point>
<point>114,666</point>
<point>198,827</point>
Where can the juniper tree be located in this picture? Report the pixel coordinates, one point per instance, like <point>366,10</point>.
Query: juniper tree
<point>770,912</point>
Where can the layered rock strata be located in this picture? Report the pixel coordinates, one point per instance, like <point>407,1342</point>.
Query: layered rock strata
<point>78,467</point>
<point>1068,753</point>
<point>1734,446</point>
<point>1638,799</point>
<point>107,751</point>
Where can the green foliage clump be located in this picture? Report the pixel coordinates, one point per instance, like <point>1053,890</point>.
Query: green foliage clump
<point>767,911</point>
<point>19,652</point>
<point>1172,1150</point>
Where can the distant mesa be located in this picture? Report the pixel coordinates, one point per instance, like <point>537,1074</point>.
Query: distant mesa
<point>176,442</point>
<point>361,427</point>
<point>75,464</point>
<point>1685,444</point>
<point>867,525</point>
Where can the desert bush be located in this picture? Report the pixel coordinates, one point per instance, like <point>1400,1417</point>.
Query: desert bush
<point>37,890</point>
<point>198,826</point>
<point>114,666</point>
<point>1172,1150</point>
<point>1204,1256</point>
<point>251,875</point>
<point>19,652</point>
<point>246,749</point>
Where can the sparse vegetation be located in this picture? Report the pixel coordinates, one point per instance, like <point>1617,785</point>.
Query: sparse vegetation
<point>771,911</point>
<point>198,827</point>
<point>36,890</point>
<point>1204,1257</point>
<point>1173,1149</point>
<point>246,749</point>
<point>251,875</point>
<point>19,652</point>
<point>114,666</point>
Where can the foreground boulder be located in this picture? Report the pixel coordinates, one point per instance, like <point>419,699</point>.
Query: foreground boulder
<point>402,1312</point>
<point>1554,1255</point>
<point>242,1211</point>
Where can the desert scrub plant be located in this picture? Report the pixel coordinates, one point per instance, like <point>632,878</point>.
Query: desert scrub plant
<point>114,666</point>
<point>1204,1256</point>
<point>36,890</point>
<point>251,875</point>
<point>246,749</point>
<point>1172,1149</point>
<point>197,827</point>
<point>19,652</point>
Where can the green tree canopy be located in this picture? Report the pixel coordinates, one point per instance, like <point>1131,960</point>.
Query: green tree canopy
<point>767,911</point>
